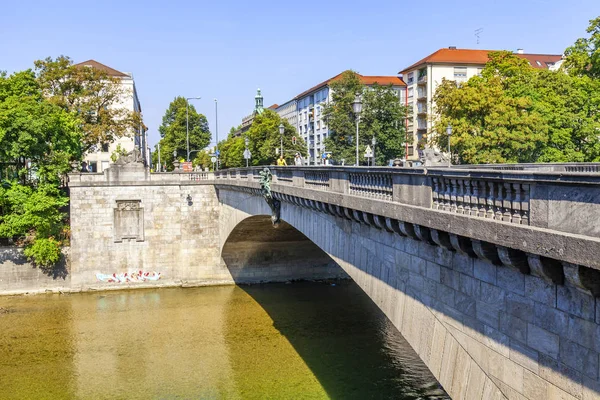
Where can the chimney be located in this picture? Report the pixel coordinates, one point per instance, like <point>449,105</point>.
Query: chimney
<point>520,51</point>
<point>452,47</point>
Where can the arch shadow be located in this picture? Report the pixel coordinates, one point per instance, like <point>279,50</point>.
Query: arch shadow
<point>346,341</point>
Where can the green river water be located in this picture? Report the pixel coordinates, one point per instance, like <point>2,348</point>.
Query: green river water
<point>308,340</point>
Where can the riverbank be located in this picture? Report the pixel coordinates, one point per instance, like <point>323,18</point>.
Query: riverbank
<point>20,277</point>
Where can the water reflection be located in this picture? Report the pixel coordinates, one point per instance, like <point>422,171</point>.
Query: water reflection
<point>300,341</point>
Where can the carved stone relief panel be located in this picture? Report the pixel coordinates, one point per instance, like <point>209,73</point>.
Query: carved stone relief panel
<point>128,221</point>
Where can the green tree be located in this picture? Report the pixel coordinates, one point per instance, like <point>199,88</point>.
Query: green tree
<point>583,58</point>
<point>173,132</point>
<point>382,117</point>
<point>515,113</point>
<point>341,119</point>
<point>34,130</point>
<point>92,95</point>
<point>40,139</point>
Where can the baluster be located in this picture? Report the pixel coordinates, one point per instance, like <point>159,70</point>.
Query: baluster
<point>460,196</point>
<point>489,213</point>
<point>498,201</point>
<point>448,189</point>
<point>453,207</point>
<point>516,204</point>
<point>467,197</point>
<point>509,195</point>
<point>525,205</point>
<point>435,194</point>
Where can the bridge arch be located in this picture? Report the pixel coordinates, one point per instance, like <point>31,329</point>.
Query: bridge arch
<point>256,251</point>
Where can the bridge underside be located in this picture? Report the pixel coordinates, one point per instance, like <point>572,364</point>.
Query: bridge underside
<point>255,251</point>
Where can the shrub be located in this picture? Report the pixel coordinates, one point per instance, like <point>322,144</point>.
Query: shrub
<point>43,252</point>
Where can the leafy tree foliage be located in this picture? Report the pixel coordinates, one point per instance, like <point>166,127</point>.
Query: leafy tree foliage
<point>91,94</point>
<point>382,117</point>
<point>583,58</point>
<point>263,139</point>
<point>341,119</point>
<point>515,113</point>
<point>34,129</point>
<point>173,132</point>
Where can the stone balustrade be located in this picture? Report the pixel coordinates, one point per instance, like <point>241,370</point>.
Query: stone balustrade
<point>537,196</point>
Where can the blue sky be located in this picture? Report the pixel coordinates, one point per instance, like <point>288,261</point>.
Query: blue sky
<point>227,49</point>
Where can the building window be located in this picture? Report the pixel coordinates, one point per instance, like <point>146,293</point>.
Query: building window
<point>410,92</point>
<point>479,71</point>
<point>460,72</point>
<point>105,147</point>
<point>411,77</point>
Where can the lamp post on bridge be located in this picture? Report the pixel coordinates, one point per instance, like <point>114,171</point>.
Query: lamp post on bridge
<point>357,108</point>
<point>449,133</point>
<point>281,131</point>
<point>373,142</point>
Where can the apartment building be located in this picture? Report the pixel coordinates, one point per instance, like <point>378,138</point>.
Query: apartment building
<point>305,111</point>
<point>423,77</point>
<point>99,160</point>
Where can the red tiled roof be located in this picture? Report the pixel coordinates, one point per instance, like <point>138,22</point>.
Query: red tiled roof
<point>470,56</point>
<point>274,106</point>
<point>545,60</point>
<point>365,80</point>
<point>105,68</point>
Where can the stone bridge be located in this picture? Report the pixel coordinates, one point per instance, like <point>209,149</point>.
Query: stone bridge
<point>490,273</point>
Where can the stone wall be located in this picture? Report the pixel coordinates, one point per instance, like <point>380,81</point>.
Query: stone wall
<point>178,237</point>
<point>485,331</point>
<point>18,276</point>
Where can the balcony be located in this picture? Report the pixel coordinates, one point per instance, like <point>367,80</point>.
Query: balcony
<point>422,111</point>
<point>422,80</point>
<point>421,96</point>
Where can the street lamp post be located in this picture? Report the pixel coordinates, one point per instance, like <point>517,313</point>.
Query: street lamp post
<point>281,130</point>
<point>246,152</point>
<point>217,134</point>
<point>373,142</point>
<point>357,108</point>
<point>449,132</point>
<point>187,124</point>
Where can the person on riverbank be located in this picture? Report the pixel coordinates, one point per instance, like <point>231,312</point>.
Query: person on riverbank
<point>298,161</point>
<point>281,161</point>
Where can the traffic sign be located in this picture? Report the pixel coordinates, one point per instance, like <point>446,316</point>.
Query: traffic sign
<point>368,152</point>
<point>213,159</point>
<point>187,166</point>
<point>247,154</point>
<point>218,153</point>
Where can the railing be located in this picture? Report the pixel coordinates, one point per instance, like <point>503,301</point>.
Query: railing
<point>540,195</point>
<point>316,179</point>
<point>373,185</point>
<point>501,201</point>
<point>284,175</point>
